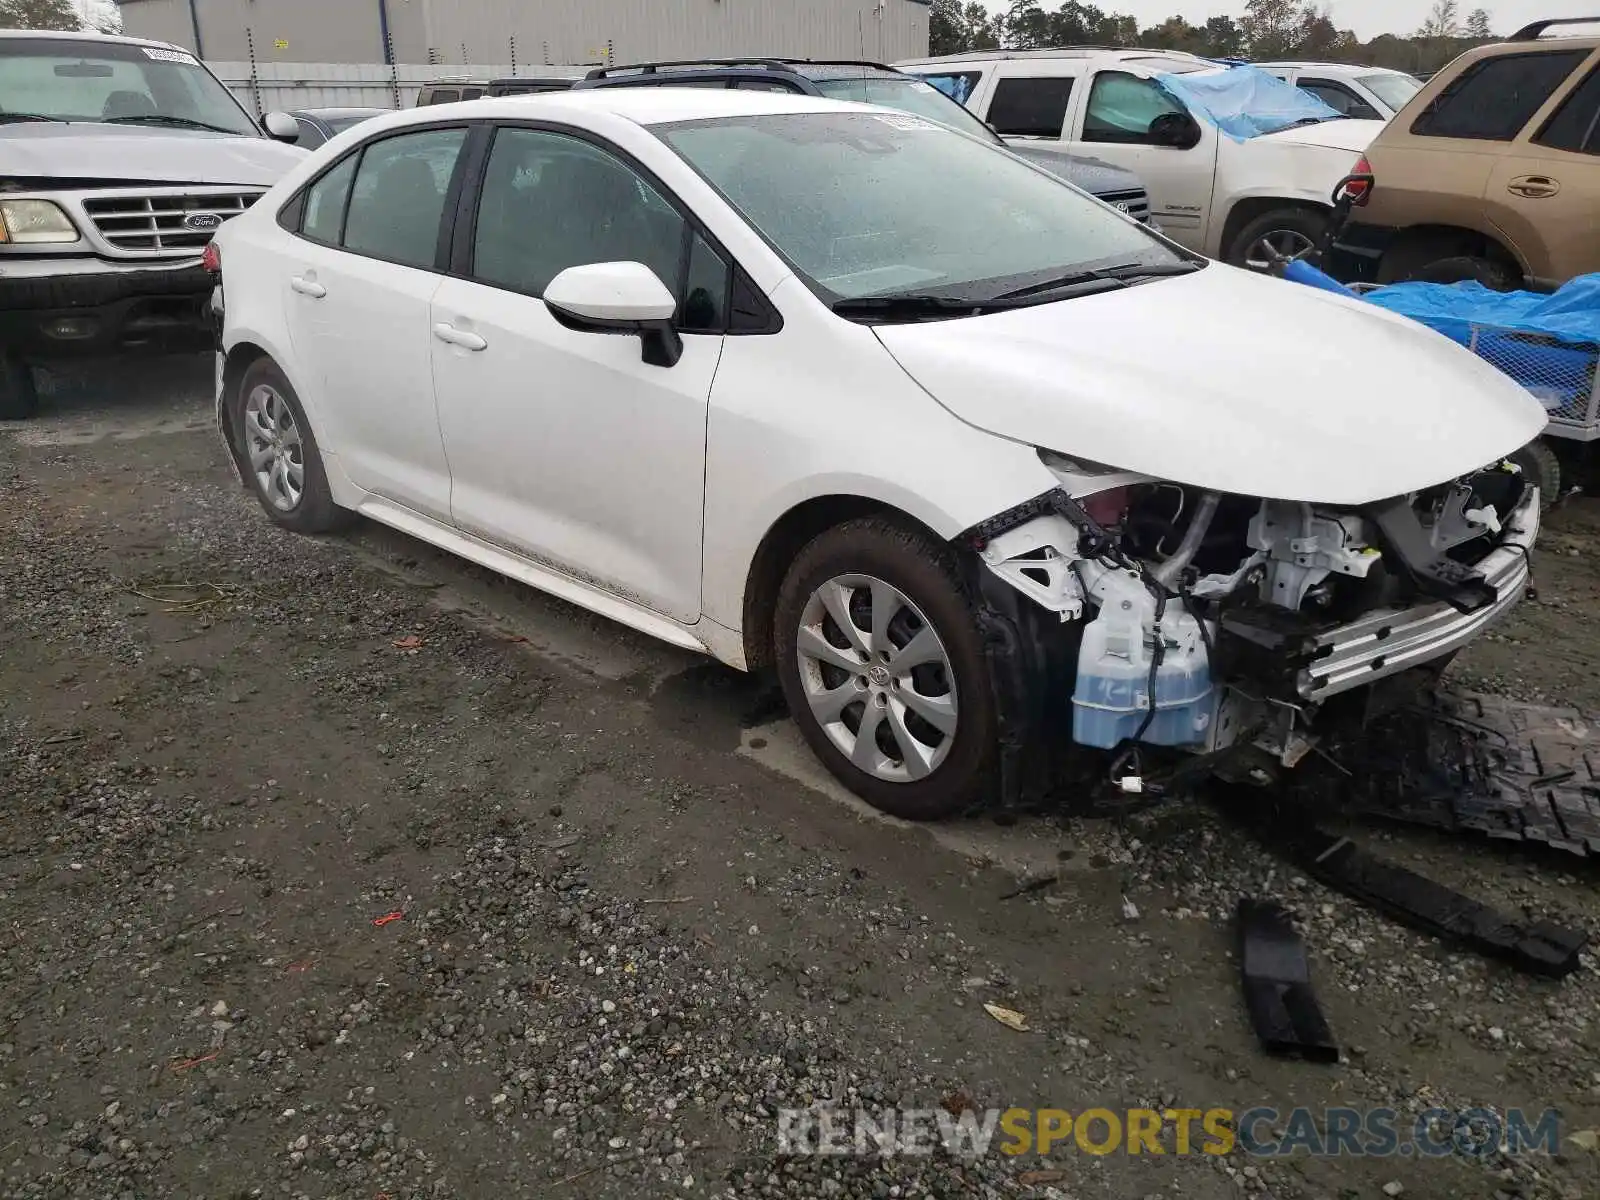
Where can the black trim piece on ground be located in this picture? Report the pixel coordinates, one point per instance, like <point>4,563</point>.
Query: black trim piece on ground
<point>1276,975</point>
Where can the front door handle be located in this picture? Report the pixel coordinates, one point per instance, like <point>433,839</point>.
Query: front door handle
<point>446,332</point>
<point>308,287</point>
<point>1533,187</point>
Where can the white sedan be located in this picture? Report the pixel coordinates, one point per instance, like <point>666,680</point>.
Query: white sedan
<point>987,471</point>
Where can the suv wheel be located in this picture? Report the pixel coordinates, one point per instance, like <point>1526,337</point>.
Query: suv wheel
<point>278,452</point>
<point>19,398</point>
<point>1493,274</point>
<point>1540,465</point>
<point>882,666</point>
<point>1284,233</point>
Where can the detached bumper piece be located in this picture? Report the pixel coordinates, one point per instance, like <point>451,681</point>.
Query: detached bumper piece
<point>1536,947</point>
<point>1277,985</point>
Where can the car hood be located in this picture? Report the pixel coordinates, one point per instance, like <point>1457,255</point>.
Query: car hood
<point>143,154</point>
<point>1347,134</point>
<point>1228,381</point>
<point>1091,174</point>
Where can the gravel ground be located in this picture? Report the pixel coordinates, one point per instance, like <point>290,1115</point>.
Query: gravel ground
<point>617,945</point>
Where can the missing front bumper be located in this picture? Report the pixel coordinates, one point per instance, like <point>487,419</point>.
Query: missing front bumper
<point>1390,641</point>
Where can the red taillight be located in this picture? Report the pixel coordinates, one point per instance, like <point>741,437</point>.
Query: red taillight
<point>211,258</point>
<point>1358,187</point>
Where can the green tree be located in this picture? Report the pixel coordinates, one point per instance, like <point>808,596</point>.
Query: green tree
<point>947,28</point>
<point>1478,24</point>
<point>38,14</point>
<point>1224,38</point>
<point>1272,28</point>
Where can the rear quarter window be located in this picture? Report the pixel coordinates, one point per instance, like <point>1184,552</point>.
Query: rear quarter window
<point>1030,106</point>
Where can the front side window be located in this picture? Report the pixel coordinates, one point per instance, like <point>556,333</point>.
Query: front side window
<point>551,201</point>
<point>1576,124</point>
<point>1122,108</point>
<point>1495,97</point>
<point>908,95</point>
<point>60,80</point>
<point>874,204</point>
<point>1340,98</point>
<point>310,136</point>
<point>1030,107</point>
<point>399,195</point>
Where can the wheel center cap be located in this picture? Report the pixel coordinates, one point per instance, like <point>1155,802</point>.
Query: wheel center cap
<point>879,676</point>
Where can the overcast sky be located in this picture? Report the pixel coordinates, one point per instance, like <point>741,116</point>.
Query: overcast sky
<point>1368,18</point>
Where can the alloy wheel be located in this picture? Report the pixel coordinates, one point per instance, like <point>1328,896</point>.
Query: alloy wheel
<point>1281,245</point>
<point>877,678</point>
<point>275,447</point>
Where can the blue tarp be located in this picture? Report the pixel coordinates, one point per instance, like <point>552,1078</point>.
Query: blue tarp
<point>1548,344</point>
<point>1245,102</point>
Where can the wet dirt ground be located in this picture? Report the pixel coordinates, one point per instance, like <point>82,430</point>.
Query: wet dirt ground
<point>338,868</point>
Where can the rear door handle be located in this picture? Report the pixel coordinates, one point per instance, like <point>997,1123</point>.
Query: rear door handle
<point>446,332</point>
<point>1534,187</point>
<point>308,287</point>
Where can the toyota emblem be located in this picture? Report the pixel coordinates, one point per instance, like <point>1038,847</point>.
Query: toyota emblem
<point>202,220</point>
<point>1122,206</point>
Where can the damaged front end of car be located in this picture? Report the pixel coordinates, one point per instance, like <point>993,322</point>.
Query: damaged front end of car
<point>1227,634</point>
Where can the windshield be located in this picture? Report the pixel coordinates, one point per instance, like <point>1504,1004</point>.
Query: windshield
<point>908,95</point>
<point>69,80</point>
<point>1395,90</point>
<point>880,204</point>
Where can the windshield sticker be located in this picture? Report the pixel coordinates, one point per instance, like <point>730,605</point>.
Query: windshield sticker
<point>177,56</point>
<point>901,121</point>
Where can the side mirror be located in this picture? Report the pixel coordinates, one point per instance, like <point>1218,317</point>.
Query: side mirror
<point>618,297</point>
<point>281,127</point>
<point>1178,131</point>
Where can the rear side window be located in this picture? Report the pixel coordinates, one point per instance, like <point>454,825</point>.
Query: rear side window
<point>1576,125</point>
<point>1030,107</point>
<point>444,96</point>
<point>1494,98</point>
<point>399,195</point>
<point>325,203</point>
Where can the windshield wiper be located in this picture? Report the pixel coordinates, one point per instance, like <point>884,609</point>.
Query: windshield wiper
<point>7,118</point>
<point>163,119</point>
<point>1111,276</point>
<point>910,306</point>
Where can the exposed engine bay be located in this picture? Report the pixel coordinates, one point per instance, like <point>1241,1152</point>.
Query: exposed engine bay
<point>1205,622</point>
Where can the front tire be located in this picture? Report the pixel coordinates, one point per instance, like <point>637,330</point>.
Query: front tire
<point>1491,273</point>
<point>1283,233</point>
<point>278,453</point>
<point>1540,465</point>
<point>883,669</point>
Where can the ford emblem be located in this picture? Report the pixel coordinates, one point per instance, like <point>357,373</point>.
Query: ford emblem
<point>202,220</point>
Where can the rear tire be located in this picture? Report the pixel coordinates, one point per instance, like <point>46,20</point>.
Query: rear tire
<point>899,707</point>
<point>1540,465</point>
<point>1492,274</point>
<point>19,397</point>
<point>278,453</point>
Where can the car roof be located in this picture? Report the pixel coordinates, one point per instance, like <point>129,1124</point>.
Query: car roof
<point>1122,54</point>
<point>640,105</point>
<point>334,114</point>
<point>86,36</point>
<point>1332,67</point>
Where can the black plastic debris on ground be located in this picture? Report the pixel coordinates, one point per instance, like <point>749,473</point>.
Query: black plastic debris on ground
<point>1476,764</point>
<point>1276,975</point>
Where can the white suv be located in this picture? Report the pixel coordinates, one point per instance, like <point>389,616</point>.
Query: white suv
<point>1222,197</point>
<point>1367,93</point>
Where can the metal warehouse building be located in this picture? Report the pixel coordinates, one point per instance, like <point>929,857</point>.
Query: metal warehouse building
<point>530,33</point>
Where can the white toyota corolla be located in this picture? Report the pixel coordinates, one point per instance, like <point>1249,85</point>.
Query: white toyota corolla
<point>988,472</point>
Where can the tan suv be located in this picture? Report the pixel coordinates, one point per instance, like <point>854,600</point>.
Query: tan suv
<point>1491,172</point>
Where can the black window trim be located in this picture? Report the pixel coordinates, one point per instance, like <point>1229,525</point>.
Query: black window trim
<point>1471,69</point>
<point>1594,124</point>
<point>458,258</point>
<point>291,215</point>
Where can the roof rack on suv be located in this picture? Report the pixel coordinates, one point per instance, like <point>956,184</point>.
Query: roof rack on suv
<point>765,64</point>
<point>1532,33</point>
